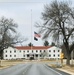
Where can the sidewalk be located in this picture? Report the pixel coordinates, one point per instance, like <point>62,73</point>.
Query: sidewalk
<point>67,70</point>
<point>64,68</point>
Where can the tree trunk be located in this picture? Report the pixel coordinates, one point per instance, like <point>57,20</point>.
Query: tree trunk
<point>1,57</point>
<point>68,53</point>
<point>68,59</point>
<point>1,54</point>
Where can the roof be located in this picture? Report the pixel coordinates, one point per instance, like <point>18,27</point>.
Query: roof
<point>32,48</point>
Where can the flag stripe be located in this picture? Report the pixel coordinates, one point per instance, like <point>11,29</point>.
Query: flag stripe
<point>35,39</point>
<point>36,34</point>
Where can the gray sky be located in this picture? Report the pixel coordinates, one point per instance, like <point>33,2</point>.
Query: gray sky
<point>20,11</point>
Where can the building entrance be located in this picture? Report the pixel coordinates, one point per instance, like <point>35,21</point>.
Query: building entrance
<point>32,57</point>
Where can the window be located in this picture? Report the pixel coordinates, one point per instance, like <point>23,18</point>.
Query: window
<point>27,55</point>
<point>36,51</point>
<point>10,51</point>
<point>36,55</point>
<point>40,50</point>
<point>20,51</point>
<point>54,55</point>
<point>58,55</point>
<point>53,50</point>
<point>32,51</point>
<point>44,50</point>
<point>23,55</point>
<point>14,51</point>
<point>6,51</point>
<point>40,55</point>
<point>5,55</point>
<point>14,55</point>
<point>10,55</point>
<point>28,51</point>
<point>49,50</point>
<point>58,50</point>
<point>49,55</point>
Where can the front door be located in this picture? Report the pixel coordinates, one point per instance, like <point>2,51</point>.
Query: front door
<point>32,57</point>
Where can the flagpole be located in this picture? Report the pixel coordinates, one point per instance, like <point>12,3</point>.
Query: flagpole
<point>31,32</point>
<point>31,29</point>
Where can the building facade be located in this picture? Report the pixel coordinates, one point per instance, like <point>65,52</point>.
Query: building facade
<point>34,52</point>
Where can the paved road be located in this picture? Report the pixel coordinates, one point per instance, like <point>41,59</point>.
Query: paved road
<point>31,69</point>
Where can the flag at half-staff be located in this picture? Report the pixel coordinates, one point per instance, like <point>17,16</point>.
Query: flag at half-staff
<point>36,36</point>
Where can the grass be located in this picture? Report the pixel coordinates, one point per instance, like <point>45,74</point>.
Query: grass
<point>8,63</point>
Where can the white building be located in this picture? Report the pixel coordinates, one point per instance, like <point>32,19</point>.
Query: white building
<point>54,52</point>
<point>36,52</point>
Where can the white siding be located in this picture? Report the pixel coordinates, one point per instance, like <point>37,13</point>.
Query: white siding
<point>13,53</point>
<point>51,52</point>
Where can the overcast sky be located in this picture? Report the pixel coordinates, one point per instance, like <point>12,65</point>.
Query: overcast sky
<point>20,11</point>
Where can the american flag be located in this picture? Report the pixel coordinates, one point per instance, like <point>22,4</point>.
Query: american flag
<point>36,36</point>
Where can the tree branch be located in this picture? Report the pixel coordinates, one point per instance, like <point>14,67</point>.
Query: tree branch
<point>72,47</point>
<point>70,33</point>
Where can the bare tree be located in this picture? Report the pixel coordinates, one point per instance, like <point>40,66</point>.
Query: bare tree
<point>44,54</point>
<point>58,20</point>
<point>8,34</point>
